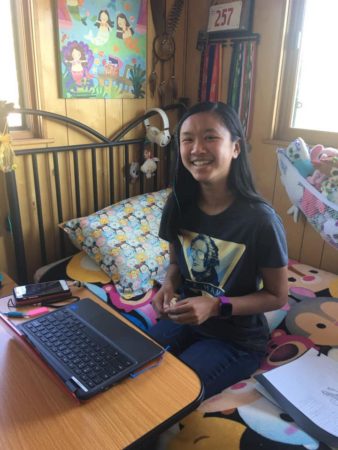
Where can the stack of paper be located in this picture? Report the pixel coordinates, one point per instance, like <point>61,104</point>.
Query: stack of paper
<point>307,389</point>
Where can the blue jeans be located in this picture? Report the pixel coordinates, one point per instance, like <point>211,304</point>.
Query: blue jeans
<point>218,363</point>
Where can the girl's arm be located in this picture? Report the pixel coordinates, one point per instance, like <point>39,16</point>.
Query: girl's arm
<point>173,275</point>
<point>163,297</point>
<point>274,295</point>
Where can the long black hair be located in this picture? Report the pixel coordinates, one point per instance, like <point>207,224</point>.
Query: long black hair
<point>240,181</point>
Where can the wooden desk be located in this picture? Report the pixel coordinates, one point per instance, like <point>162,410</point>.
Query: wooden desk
<point>36,414</point>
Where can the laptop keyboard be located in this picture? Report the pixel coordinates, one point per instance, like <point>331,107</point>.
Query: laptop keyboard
<point>84,352</point>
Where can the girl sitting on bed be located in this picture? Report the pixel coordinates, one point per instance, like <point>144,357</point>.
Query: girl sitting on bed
<point>228,253</point>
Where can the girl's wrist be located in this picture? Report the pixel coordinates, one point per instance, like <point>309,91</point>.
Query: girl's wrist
<point>224,306</point>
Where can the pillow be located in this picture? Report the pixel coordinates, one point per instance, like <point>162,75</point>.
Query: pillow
<point>123,240</point>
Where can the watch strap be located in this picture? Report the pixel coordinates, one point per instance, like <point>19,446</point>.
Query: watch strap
<point>224,300</point>
<point>225,308</point>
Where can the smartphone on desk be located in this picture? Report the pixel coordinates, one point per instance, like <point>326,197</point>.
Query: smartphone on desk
<point>47,292</point>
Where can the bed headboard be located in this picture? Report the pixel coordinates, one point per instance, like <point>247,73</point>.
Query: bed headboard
<point>55,183</point>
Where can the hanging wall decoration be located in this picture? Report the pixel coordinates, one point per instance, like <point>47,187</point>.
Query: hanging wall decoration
<point>102,48</point>
<point>164,48</point>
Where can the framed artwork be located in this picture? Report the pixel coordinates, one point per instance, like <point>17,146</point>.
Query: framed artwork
<point>231,15</point>
<point>102,48</point>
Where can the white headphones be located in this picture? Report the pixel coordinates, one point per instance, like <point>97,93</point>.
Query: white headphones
<point>161,138</point>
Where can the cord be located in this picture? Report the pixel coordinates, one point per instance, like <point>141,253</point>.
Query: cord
<point>52,305</point>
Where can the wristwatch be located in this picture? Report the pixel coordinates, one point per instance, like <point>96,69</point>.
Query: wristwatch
<point>225,309</point>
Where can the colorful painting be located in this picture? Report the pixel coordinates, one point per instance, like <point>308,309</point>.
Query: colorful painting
<point>102,48</point>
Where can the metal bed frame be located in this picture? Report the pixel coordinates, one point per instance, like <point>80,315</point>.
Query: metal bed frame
<point>112,143</point>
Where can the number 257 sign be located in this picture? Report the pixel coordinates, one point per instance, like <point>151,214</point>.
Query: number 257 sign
<point>226,16</point>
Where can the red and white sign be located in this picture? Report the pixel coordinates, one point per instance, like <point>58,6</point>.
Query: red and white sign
<point>226,16</point>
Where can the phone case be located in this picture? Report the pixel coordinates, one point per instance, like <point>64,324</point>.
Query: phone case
<point>42,299</point>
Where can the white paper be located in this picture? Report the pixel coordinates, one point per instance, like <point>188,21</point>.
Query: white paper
<point>310,383</point>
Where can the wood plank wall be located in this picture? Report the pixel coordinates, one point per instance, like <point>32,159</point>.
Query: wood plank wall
<point>305,245</point>
<point>107,116</point>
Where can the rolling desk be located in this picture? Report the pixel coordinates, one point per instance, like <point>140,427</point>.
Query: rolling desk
<point>36,414</point>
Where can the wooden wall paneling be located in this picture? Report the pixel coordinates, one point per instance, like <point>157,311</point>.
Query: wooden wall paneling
<point>268,23</point>
<point>294,231</point>
<point>330,259</point>
<point>48,64</point>
<point>263,161</point>
<point>113,116</point>
<point>28,212</point>
<point>132,108</point>
<point>46,179</point>
<point>151,102</point>
<point>114,123</point>
<point>7,259</point>
<point>179,57</point>
<point>46,39</point>
<point>7,264</point>
<point>53,237</point>
<point>198,11</point>
<point>103,177</point>
<point>91,112</point>
<point>180,38</point>
<point>312,246</point>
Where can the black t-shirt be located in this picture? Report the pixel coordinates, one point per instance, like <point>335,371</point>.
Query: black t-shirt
<point>222,255</point>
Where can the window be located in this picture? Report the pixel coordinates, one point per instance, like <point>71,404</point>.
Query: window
<point>18,81</point>
<point>309,91</point>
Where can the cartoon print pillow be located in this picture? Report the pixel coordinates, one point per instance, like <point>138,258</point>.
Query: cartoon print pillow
<point>123,240</point>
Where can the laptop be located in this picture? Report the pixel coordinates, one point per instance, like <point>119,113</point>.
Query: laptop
<point>87,347</point>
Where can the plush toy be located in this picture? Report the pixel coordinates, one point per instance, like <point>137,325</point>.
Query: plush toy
<point>329,187</point>
<point>134,171</point>
<point>149,166</point>
<point>324,159</point>
<point>330,231</point>
<point>299,155</point>
<point>316,179</point>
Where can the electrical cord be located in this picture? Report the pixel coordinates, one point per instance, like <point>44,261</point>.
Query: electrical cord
<point>65,302</point>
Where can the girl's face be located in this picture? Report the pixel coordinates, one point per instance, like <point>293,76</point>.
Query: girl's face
<point>104,17</point>
<point>121,23</point>
<point>76,54</point>
<point>206,148</point>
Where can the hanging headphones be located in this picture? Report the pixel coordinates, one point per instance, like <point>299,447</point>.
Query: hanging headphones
<point>161,138</point>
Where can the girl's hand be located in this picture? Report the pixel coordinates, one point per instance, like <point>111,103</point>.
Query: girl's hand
<point>194,310</point>
<point>162,300</point>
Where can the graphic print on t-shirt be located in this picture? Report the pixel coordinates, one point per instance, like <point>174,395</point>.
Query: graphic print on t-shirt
<point>210,261</point>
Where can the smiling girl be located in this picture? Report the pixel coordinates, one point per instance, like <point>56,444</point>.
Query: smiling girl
<point>218,326</point>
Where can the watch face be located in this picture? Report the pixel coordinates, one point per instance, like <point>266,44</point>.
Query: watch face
<point>226,309</point>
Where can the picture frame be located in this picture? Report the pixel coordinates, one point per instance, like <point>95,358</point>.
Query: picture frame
<point>231,17</point>
<point>101,48</point>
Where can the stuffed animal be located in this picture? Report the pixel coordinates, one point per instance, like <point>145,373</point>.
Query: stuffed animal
<point>316,179</point>
<point>324,159</point>
<point>299,155</point>
<point>149,166</point>
<point>329,187</point>
<point>134,171</point>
